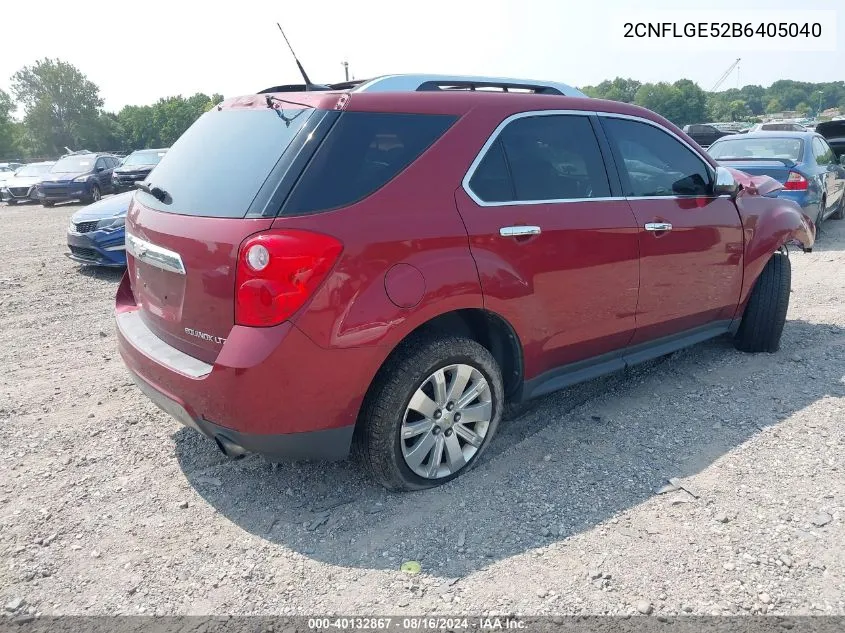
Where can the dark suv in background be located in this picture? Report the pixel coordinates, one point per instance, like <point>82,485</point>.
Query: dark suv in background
<point>137,166</point>
<point>704,134</point>
<point>84,176</point>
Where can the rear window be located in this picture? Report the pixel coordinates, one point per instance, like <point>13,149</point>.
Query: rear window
<point>362,153</point>
<point>770,147</point>
<point>218,165</point>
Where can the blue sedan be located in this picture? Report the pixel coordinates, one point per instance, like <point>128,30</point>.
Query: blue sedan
<point>96,233</point>
<point>803,161</point>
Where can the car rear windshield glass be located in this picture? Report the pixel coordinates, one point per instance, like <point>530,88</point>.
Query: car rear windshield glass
<point>218,165</point>
<point>74,164</point>
<point>787,148</point>
<point>143,158</point>
<point>362,153</point>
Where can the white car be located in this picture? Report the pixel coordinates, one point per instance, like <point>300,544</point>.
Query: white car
<point>20,186</point>
<point>778,126</point>
<point>7,170</point>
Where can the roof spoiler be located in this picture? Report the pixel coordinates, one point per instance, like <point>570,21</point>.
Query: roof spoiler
<point>787,162</point>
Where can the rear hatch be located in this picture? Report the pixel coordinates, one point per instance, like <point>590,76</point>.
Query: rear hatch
<point>217,185</point>
<point>834,132</point>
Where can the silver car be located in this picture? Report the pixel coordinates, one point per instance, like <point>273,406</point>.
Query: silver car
<point>21,186</point>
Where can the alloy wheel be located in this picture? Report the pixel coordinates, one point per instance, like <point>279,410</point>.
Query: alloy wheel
<point>446,421</point>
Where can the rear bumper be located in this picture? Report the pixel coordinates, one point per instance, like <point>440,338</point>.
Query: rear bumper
<point>270,390</point>
<point>327,444</point>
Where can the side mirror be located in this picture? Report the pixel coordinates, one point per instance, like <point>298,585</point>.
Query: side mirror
<point>99,169</point>
<point>725,184</point>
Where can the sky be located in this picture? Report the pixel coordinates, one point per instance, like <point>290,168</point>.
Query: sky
<point>138,52</point>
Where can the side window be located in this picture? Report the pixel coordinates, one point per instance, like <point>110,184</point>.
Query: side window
<point>821,150</point>
<point>492,181</point>
<point>101,164</point>
<point>363,152</point>
<point>654,163</point>
<point>548,157</point>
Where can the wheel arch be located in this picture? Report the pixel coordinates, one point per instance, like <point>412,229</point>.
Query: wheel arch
<point>487,328</point>
<point>769,226</point>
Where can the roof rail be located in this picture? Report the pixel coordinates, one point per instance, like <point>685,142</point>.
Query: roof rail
<point>426,83</point>
<point>422,83</point>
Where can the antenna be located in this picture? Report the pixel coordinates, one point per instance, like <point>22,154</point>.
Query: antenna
<point>308,84</point>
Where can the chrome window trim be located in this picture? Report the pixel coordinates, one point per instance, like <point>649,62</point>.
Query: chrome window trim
<point>587,113</point>
<point>134,330</point>
<point>154,255</point>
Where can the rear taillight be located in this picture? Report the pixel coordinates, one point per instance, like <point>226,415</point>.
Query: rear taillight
<point>796,182</point>
<point>278,271</point>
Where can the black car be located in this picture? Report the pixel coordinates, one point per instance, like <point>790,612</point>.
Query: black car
<point>704,134</point>
<point>84,176</point>
<point>834,133</point>
<point>137,166</point>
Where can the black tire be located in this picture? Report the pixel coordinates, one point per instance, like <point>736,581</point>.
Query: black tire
<point>95,194</point>
<point>840,212</point>
<point>377,442</point>
<point>764,318</point>
<point>47,204</point>
<point>11,203</point>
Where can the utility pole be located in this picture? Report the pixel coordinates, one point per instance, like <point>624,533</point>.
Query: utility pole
<point>345,65</point>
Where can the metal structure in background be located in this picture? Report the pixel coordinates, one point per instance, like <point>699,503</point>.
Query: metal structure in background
<point>725,75</point>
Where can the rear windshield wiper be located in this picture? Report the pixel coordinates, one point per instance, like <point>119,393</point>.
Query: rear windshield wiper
<point>156,192</point>
<point>287,119</point>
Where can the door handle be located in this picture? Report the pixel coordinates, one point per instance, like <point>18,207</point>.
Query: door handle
<point>519,231</point>
<point>658,226</point>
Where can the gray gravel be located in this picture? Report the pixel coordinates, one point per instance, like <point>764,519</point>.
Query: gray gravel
<point>107,506</point>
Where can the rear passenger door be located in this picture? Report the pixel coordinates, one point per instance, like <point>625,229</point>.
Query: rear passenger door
<point>691,242</point>
<point>555,245</point>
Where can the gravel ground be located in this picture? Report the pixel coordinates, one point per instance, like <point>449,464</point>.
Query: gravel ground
<point>108,506</point>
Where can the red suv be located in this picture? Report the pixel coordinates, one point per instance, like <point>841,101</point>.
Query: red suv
<point>387,268</point>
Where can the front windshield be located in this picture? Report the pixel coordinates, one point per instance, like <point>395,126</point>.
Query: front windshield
<point>28,171</point>
<point>143,158</point>
<point>751,148</point>
<point>73,164</point>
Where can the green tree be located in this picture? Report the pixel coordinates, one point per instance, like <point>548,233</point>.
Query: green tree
<point>9,147</point>
<point>619,89</point>
<point>61,105</point>
<point>691,103</point>
<point>773,106</point>
<point>162,123</point>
